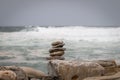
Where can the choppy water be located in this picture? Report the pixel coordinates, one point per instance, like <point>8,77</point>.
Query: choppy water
<point>28,46</point>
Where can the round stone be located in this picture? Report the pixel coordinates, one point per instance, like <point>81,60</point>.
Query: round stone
<point>55,57</point>
<point>57,43</point>
<point>56,49</point>
<point>57,53</point>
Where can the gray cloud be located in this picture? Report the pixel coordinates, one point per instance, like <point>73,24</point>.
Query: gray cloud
<point>60,12</point>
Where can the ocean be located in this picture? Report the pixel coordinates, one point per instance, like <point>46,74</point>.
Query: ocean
<point>29,45</point>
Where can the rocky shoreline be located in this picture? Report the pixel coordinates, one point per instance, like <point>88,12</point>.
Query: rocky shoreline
<point>61,69</point>
<point>85,70</point>
<point>65,70</point>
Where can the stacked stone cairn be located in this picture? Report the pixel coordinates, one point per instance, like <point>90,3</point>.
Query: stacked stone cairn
<point>57,50</point>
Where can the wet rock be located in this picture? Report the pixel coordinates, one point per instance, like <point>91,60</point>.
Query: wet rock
<point>57,53</point>
<point>110,77</point>
<point>74,70</point>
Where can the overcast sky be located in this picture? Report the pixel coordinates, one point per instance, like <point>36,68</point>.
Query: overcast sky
<point>60,12</point>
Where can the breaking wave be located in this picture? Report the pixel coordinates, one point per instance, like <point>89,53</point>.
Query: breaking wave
<point>76,33</point>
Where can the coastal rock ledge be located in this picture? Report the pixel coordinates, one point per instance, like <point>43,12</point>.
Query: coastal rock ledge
<point>65,70</point>
<point>74,70</point>
<point>84,70</point>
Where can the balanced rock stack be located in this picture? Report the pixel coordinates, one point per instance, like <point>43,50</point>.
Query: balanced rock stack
<point>57,50</point>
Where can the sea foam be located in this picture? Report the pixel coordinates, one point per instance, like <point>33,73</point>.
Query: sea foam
<point>76,33</point>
